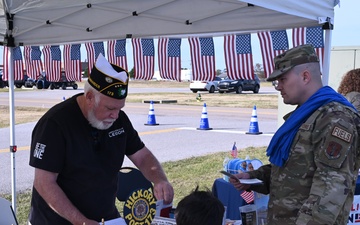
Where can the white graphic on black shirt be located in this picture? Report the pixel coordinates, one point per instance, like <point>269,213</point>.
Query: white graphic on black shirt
<point>116,132</point>
<point>39,150</point>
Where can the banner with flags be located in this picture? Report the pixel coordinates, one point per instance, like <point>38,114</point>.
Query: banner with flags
<point>234,151</point>
<point>238,56</point>
<point>169,58</point>
<point>93,50</point>
<point>52,62</point>
<point>202,58</point>
<point>310,35</point>
<point>272,43</point>
<point>33,63</point>
<point>72,62</point>
<point>116,52</point>
<point>248,196</point>
<point>18,66</point>
<point>143,52</point>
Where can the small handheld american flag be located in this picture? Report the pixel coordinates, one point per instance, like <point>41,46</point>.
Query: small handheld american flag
<point>247,196</point>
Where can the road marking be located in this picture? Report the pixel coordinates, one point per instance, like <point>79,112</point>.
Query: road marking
<point>22,148</point>
<point>226,131</point>
<point>5,150</point>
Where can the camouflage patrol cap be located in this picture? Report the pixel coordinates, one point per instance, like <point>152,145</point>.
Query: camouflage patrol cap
<point>291,58</point>
<point>109,79</point>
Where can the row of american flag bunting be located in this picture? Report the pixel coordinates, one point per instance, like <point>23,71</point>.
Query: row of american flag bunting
<point>237,53</point>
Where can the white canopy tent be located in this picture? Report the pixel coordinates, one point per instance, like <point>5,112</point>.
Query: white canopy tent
<point>40,22</point>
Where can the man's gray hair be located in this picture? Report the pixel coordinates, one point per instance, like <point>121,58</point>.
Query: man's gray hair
<point>89,89</point>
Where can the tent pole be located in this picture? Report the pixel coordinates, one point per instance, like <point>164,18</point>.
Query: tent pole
<point>12,125</point>
<point>327,52</point>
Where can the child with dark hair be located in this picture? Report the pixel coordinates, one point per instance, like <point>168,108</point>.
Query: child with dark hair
<point>199,207</point>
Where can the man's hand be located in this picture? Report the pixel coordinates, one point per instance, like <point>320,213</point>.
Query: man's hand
<point>236,182</point>
<point>164,191</point>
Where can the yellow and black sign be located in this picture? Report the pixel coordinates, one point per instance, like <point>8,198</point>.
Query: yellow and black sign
<point>140,207</point>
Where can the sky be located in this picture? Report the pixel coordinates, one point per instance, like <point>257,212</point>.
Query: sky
<point>346,33</point>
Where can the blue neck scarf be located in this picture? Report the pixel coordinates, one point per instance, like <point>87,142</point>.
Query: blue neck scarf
<point>279,147</point>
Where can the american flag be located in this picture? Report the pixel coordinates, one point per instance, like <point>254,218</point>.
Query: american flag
<point>143,51</point>
<point>52,62</point>
<point>93,50</point>
<point>33,63</point>
<point>248,196</point>
<point>310,35</point>
<point>272,44</point>
<point>234,151</point>
<point>72,62</point>
<point>238,56</point>
<point>18,67</point>
<point>202,58</point>
<point>169,58</point>
<point>116,53</point>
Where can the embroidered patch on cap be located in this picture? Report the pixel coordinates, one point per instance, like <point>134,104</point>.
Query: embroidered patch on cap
<point>342,134</point>
<point>109,79</point>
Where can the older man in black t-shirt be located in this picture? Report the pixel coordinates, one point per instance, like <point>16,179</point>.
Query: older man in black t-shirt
<point>77,149</point>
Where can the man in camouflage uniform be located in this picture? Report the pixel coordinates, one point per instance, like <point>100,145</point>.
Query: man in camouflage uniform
<point>315,154</point>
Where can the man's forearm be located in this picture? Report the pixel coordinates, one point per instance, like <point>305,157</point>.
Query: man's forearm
<point>47,187</point>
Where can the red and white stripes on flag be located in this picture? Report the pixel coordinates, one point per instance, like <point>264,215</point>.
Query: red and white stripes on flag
<point>238,56</point>
<point>143,52</point>
<point>248,196</point>
<point>169,58</point>
<point>310,35</point>
<point>18,66</point>
<point>72,62</point>
<point>52,62</point>
<point>116,52</point>
<point>93,50</point>
<point>272,43</point>
<point>202,58</point>
<point>33,63</point>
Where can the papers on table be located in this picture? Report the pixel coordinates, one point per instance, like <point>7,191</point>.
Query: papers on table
<point>250,181</point>
<point>243,181</point>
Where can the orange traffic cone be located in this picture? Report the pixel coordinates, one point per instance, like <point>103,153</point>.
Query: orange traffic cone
<point>254,126</point>
<point>151,117</point>
<point>204,122</point>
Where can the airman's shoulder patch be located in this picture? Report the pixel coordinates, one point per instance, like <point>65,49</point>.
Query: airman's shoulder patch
<point>341,134</point>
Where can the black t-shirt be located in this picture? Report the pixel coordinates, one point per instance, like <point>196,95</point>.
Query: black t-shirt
<point>86,159</point>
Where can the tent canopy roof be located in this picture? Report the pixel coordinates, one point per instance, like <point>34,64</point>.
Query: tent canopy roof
<point>67,21</point>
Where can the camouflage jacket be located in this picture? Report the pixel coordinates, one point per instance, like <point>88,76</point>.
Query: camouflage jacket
<point>354,98</point>
<point>316,185</point>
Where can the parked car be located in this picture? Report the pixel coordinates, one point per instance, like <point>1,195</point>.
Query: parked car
<point>2,83</point>
<point>210,86</point>
<point>63,83</point>
<point>26,82</point>
<point>41,82</point>
<point>29,83</point>
<point>238,86</point>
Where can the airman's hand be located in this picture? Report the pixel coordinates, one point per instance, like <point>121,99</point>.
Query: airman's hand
<point>236,182</point>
